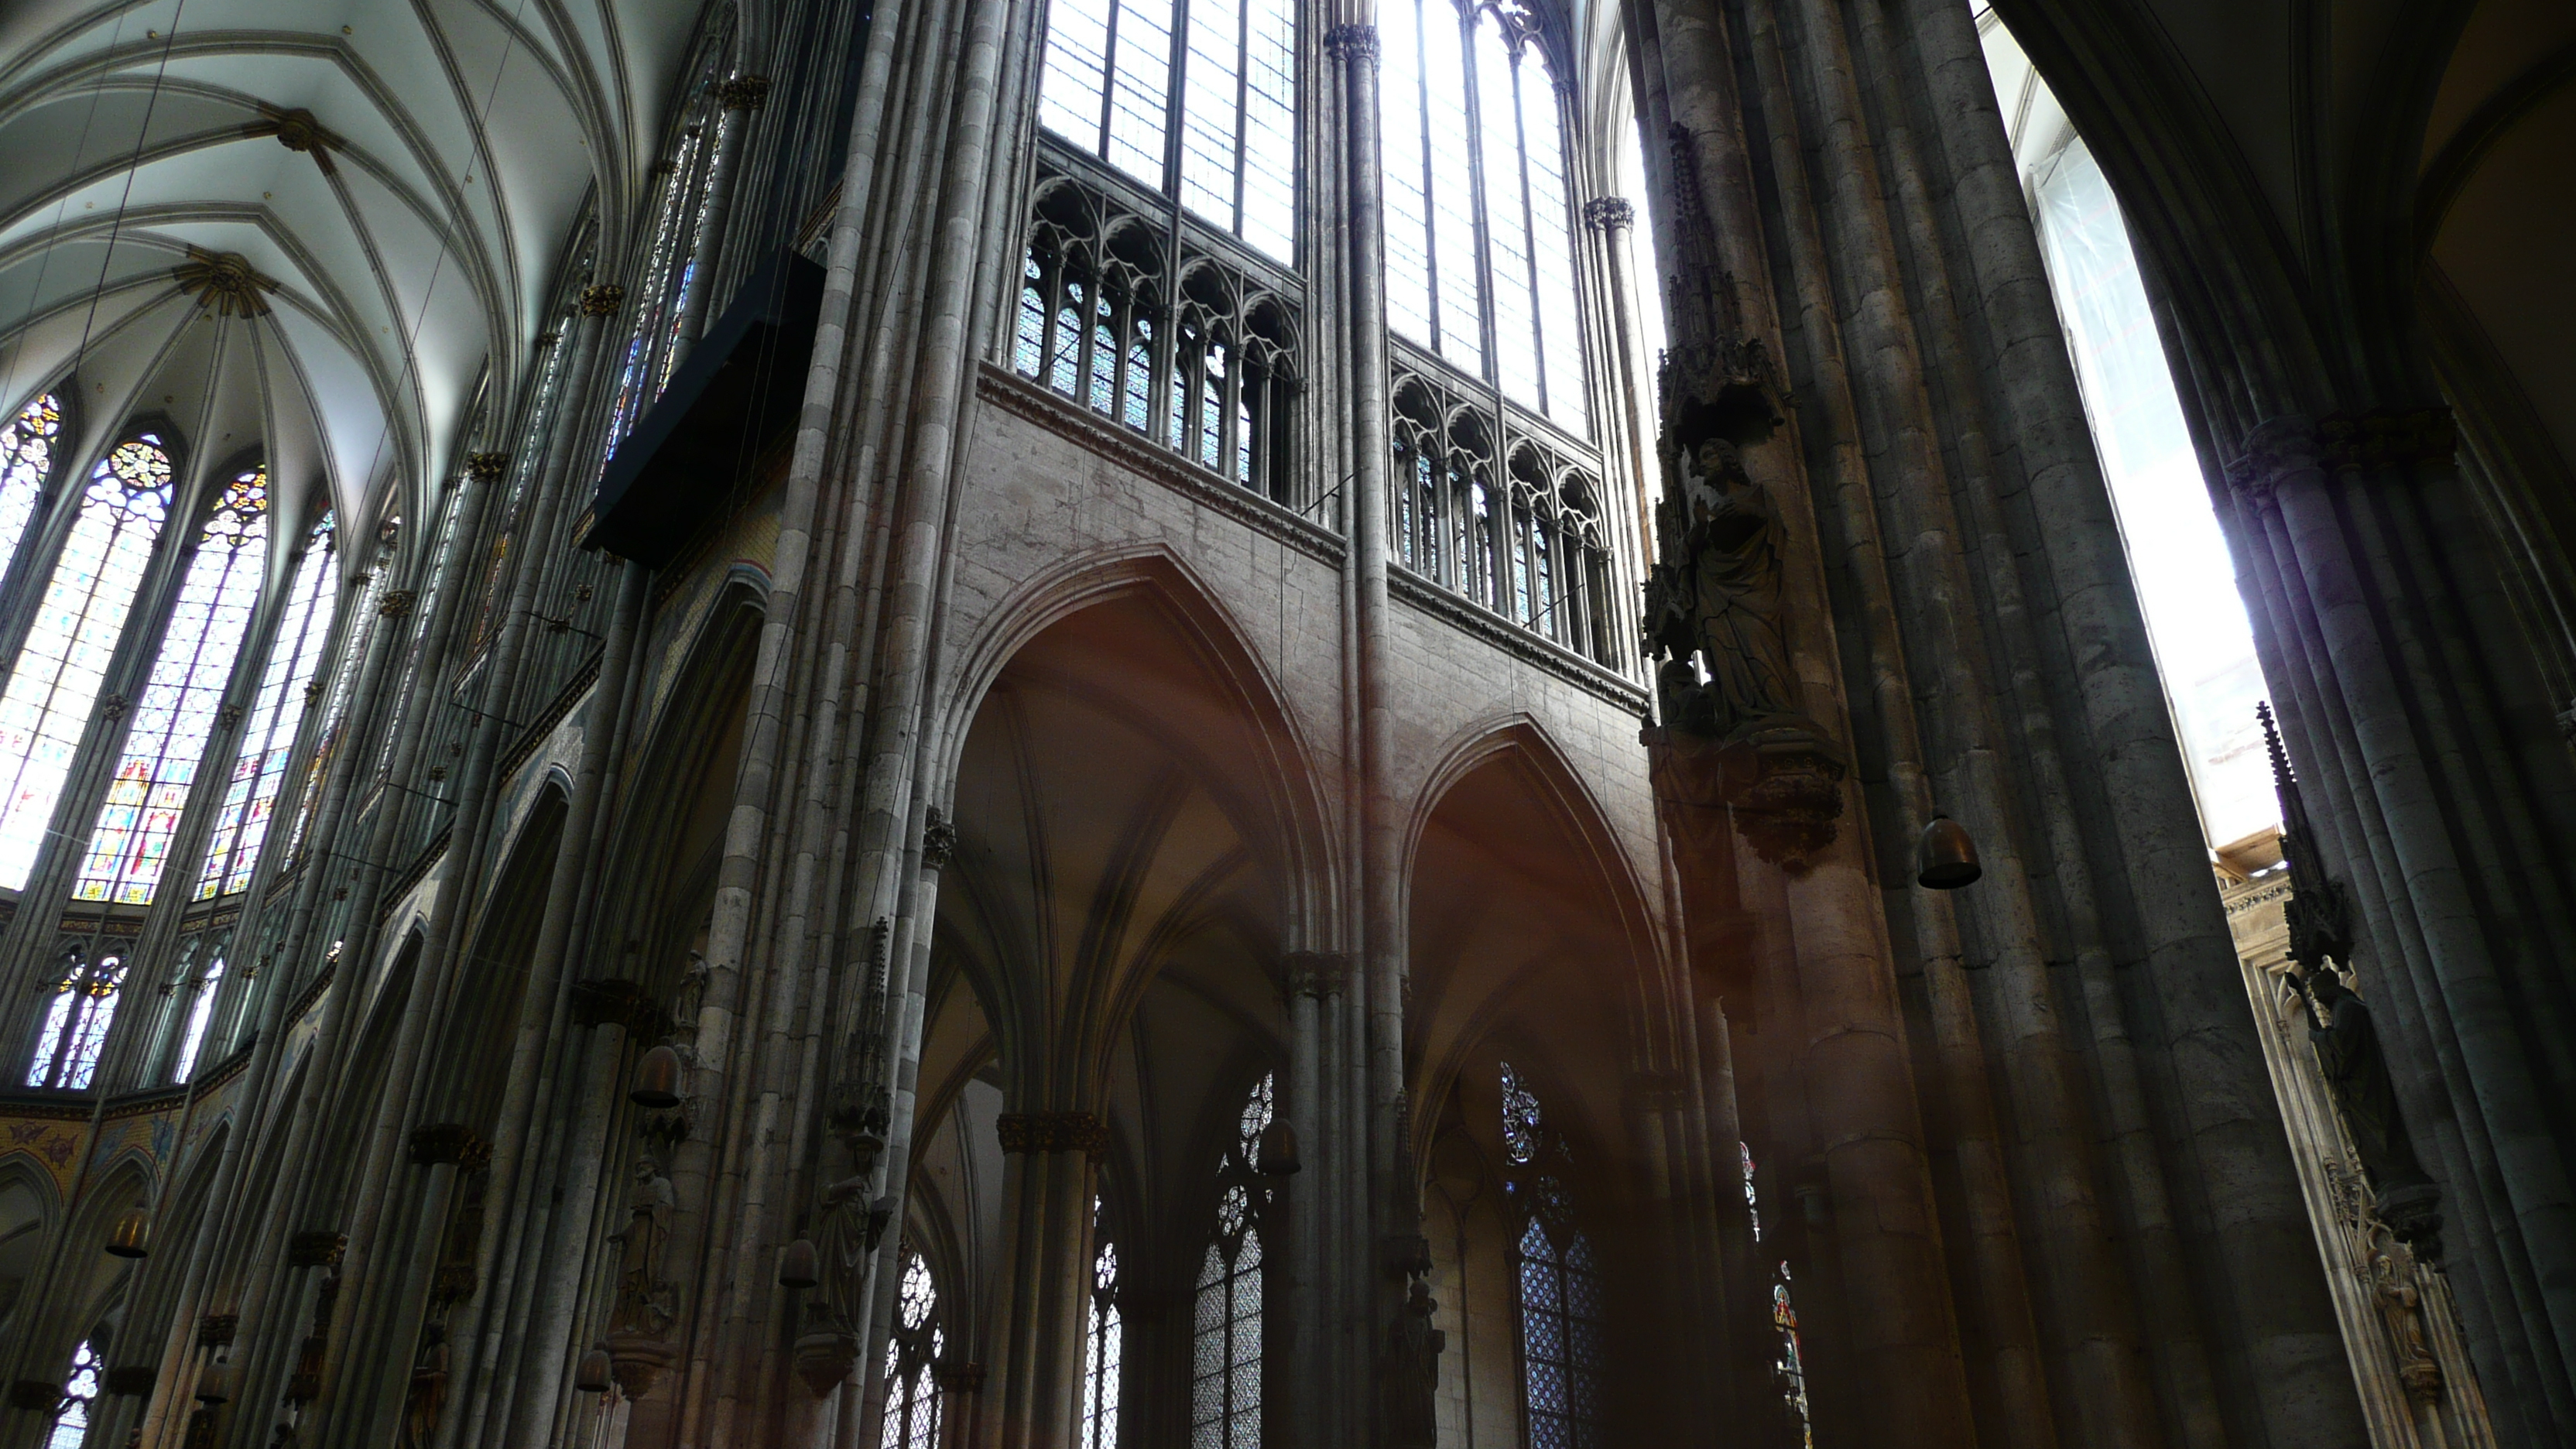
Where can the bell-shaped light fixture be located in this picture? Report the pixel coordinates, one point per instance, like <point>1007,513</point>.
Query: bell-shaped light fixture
<point>131,1237</point>
<point>214,1384</point>
<point>593,1374</point>
<point>1276,1153</point>
<point>657,1079</point>
<point>1946,859</point>
<point>800,1266</point>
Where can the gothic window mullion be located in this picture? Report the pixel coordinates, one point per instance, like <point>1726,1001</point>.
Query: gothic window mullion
<point>1529,229</point>
<point>1480,187</point>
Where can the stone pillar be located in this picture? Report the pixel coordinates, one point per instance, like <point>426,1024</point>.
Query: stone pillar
<point>1036,1394</point>
<point>741,97</point>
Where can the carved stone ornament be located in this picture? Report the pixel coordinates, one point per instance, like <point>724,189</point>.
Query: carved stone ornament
<point>224,283</point>
<point>2281,448</point>
<point>297,130</point>
<point>316,1248</point>
<point>216,1330</point>
<point>1409,1373</point>
<point>938,841</point>
<point>743,92</point>
<point>114,706</point>
<point>1317,973</point>
<point>1609,213</point>
<point>602,299</point>
<point>824,1358</point>
<point>396,603</point>
<point>1081,1132</point>
<point>440,1142</point>
<point>229,716</point>
<point>486,467</point>
<point>1352,42</point>
<point>597,1002</point>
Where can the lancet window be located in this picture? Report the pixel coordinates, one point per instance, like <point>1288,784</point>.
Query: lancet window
<point>344,673</point>
<point>76,1021</point>
<point>1790,1367</point>
<point>61,669</point>
<point>201,1015</point>
<point>26,462</point>
<point>1101,1351</point>
<point>250,797</point>
<point>670,272</point>
<point>1225,1345</point>
<point>80,1395</point>
<point>1211,121</point>
<point>1479,213</point>
<point>1201,358</point>
<point>912,1355</point>
<point>173,722</point>
<point>1559,1279</point>
<point>1526,540</point>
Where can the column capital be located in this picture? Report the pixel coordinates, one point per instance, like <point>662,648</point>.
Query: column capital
<point>1317,973</point>
<point>396,603</point>
<point>441,1142</point>
<point>1352,42</point>
<point>602,299</point>
<point>743,92</point>
<point>216,1330</point>
<point>1081,1132</point>
<point>1609,213</point>
<point>486,467</point>
<point>315,1248</point>
<point>938,841</point>
<point>2279,448</point>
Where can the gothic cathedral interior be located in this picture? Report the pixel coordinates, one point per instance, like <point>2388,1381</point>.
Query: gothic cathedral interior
<point>1347,724</point>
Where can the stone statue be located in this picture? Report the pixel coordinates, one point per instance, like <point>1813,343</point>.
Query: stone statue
<point>1410,1373</point>
<point>2401,1308</point>
<point>644,1302</point>
<point>2356,1069</point>
<point>427,1397</point>
<point>842,1242</point>
<point>1722,601</point>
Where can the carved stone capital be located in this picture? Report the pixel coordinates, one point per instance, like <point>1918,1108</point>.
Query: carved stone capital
<point>486,467</point>
<point>638,1362</point>
<point>440,1142</point>
<point>1352,42</point>
<point>1729,388</point>
<point>743,93</point>
<point>1609,213</point>
<point>2279,449</point>
<point>959,1378</point>
<point>938,841</point>
<point>396,603</point>
<point>316,1248</point>
<point>114,706</point>
<point>1318,973</point>
<point>216,1330</point>
<point>602,299</point>
<point>1081,1132</point>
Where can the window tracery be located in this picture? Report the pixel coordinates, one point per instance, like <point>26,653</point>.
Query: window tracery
<point>76,1021</point>
<point>1202,359</point>
<point>670,271</point>
<point>1225,1346</point>
<point>61,668</point>
<point>175,719</point>
<point>1559,1277</point>
<point>26,464</point>
<point>1525,541</point>
<point>912,1352</point>
<point>1211,122</point>
<point>80,1394</point>
<point>1102,1351</point>
<point>1479,208</point>
<point>250,797</point>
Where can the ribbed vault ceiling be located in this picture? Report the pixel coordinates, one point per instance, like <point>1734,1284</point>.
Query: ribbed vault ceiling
<point>399,180</point>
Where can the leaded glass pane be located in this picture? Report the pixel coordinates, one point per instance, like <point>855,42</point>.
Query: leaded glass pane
<point>1453,189</point>
<point>1401,150</point>
<point>1140,84</point>
<point>129,847</point>
<point>61,669</point>
<point>1552,223</point>
<point>241,823</point>
<point>1070,89</point>
<point>1506,215</point>
<point>201,1013</point>
<point>80,1392</point>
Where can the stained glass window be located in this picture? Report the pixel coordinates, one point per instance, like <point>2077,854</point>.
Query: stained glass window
<point>912,1352</point>
<point>1560,1281</point>
<point>26,461</point>
<point>661,296</point>
<point>60,670</point>
<point>1791,1365</point>
<point>1225,1344</point>
<point>1111,71</point>
<point>251,796</point>
<point>344,674</point>
<point>80,1391</point>
<point>1752,1204</point>
<point>1479,214</point>
<point>1100,1351</point>
<point>76,1022</point>
<point>201,1014</point>
<point>130,848</point>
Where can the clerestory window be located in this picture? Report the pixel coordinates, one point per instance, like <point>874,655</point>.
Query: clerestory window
<point>1479,213</point>
<point>61,669</point>
<point>76,1021</point>
<point>26,463</point>
<point>250,797</point>
<point>1211,121</point>
<point>174,720</point>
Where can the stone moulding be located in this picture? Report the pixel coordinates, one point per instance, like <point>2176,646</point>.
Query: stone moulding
<point>1081,1132</point>
<point>1472,618</point>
